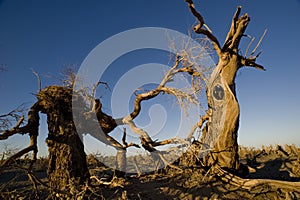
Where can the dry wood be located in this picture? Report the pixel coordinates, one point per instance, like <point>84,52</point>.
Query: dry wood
<point>222,124</point>
<point>31,128</point>
<point>250,184</point>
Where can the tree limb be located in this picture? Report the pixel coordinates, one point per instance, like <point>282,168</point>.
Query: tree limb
<point>199,124</point>
<point>233,25</point>
<point>125,144</point>
<point>153,93</point>
<point>38,79</point>
<point>195,13</point>
<point>249,45</point>
<point>199,28</point>
<point>32,128</point>
<point>237,29</point>
<point>6,134</point>
<point>5,119</point>
<point>259,42</point>
<point>250,62</point>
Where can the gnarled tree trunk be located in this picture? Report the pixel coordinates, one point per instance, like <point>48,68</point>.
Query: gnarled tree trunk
<point>224,120</point>
<point>67,166</point>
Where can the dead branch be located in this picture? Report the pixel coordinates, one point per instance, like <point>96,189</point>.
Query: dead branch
<point>198,28</point>
<point>231,44</point>
<point>16,114</point>
<point>145,139</point>
<point>6,134</point>
<point>151,94</point>
<point>38,79</point>
<point>199,124</point>
<point>250,62</point>
<point>195,13</point>
<point>162,88</point>
<point>31,128</point>
<point>249,45</point>
<point>69,75</point>
<point>125,144</point>
<point>259,42</point>
<point>233,27</point>
<point>148,144</point>
<point>17,155</point>
<point>236,31</point>
<point>96,86</point>
<point>106,122</point>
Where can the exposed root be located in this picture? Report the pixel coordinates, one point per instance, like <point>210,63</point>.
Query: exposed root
<point>250,184</point>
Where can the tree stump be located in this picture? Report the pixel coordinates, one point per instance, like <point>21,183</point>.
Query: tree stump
<point>67,167</point>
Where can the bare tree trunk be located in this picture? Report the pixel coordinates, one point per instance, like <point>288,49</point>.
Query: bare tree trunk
<point>67,166</point>
<point>224,121</point>
<point>223,108</point>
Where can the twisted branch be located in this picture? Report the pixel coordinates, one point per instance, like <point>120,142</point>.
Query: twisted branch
<point>199,28</point>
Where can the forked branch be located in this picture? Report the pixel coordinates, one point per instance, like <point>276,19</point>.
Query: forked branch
<point>236,32</point>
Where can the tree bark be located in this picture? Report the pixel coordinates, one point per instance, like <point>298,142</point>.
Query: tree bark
<point>224,121</point>
<point>67,168</point>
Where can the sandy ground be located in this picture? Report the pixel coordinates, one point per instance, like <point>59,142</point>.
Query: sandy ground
<point>186,180</point>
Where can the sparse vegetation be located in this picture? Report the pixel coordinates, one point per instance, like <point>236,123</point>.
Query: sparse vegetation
<point>190,182</point>
<point>227,171</point>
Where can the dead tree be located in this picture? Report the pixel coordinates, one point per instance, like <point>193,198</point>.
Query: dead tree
<point>67,167</point>
<point>220,133</point>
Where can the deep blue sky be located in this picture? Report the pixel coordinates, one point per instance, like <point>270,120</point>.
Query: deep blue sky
<point>47,35</point>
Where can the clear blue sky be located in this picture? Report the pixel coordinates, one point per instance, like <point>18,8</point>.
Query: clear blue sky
<point>47,35</point>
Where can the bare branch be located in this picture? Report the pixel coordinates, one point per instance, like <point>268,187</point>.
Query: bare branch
<point>96,86</point>
<point>250,62</point>
<point>38,79</point>
<point>236,17</point>
<point>259,42</point>
<point>249,45</point>
<point>144,137</point>
<point>14,115</point>
<point>69,75</point>
<point>233,25</point>
<point>199,124</point>
<point>125,144</point>
<point>237,29</point>
<point>12,131</point>
<point>211,37</point>
<point>195,13</point>
<point>153,93</point>
<point>198,28</point>
<point>17,155</point>
<point>32,128</point>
